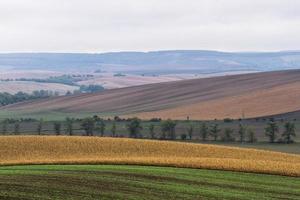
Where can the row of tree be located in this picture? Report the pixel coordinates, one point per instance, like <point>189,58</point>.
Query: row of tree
<point>6,98</point>
<point>245,134</point>
<point>92,125</point>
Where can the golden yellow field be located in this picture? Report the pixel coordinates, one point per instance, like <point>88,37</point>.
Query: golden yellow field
<point>17,150</point>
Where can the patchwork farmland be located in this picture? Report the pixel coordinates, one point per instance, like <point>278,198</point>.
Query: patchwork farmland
<point>235,96</point>
<point>149,100</point>
<point>92,144</point>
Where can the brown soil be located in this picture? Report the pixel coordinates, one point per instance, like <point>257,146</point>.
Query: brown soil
<point>227,96</point>
<point>265,102</point>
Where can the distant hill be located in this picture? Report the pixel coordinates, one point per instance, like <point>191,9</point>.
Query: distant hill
<point>235,96</point>
<point>158,62</point>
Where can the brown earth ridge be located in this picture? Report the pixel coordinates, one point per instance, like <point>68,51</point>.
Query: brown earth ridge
<point>232,96</point>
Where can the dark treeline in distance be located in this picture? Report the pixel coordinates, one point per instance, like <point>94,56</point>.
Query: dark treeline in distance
<point>7,98</point>
<point>152,129</point>
<point>63,79</point>
<point>71,80</point>
<point>90,89</point>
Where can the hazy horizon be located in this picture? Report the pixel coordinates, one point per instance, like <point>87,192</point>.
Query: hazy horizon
<point>136,51</point>
<point>98,26</point>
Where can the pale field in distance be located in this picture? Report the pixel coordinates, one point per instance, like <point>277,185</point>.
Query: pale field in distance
<point>13,87</point>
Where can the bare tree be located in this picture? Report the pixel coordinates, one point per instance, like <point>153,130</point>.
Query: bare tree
<point>57,128</point>
<point>134,127</point>
<point>251,135</point>
<point>17,128</point>
<point>69,125</point>
<point>214,131</point>
<point>113,129</point>
<point>227,137</point>
<point>203,131</point>
<point>168,129</point>
<point>271,131</point>
<point>151,131</point>
<point>40,127</point>
<point>190,131</point>
<point>4,126</point>
<point>289,132</point>
<point>101,127</point>
<point>242,132</point>
<point>88,125</point>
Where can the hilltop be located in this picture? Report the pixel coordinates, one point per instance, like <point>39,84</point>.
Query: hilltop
<point>234,96</point>
<point>155,62</point>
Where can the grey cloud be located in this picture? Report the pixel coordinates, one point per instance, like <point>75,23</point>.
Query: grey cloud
<point>115,25</point>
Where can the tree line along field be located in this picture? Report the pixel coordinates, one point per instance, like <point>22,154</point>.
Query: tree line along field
<point>139,182</point>
<point>117,178</point>
<point>258,126</point>
<point>151,129</point>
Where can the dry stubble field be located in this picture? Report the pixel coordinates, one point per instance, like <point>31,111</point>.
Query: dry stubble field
<point>21,150</point>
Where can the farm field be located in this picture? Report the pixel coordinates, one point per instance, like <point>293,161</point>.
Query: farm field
<point>13,87</point>
<point>110,81</point>
<point>19,73</point>
<point>20,150</point>
<point>150,100</point>
<point>276,100</point>
<point>12,82</point>
<point>139,182</point>
<point>233,96</point>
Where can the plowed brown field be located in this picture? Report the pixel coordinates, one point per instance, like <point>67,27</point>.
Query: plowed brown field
<point>233,96</point>
<point>264,102</point>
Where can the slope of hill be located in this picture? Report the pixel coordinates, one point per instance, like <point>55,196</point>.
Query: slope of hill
<point>155,62</point>
<point>253,95</point>
<point>19,150</point>
<point>90,182</point>
<point>110,81</point>
<point>258,103</point>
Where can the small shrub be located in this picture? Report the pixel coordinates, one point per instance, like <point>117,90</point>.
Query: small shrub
<point>183,136</point>
<point>228,120</point>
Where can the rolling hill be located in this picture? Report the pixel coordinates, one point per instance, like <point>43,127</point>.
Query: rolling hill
<point>20,150</point>
<point>157,62</point>
<point>70,167</point>
<point>248,95</point>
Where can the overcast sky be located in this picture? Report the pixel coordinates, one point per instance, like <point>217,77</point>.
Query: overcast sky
<point>144,25</point>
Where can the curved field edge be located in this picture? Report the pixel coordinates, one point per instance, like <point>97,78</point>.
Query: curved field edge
<point>23,150</point>
<point>140,182</point>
